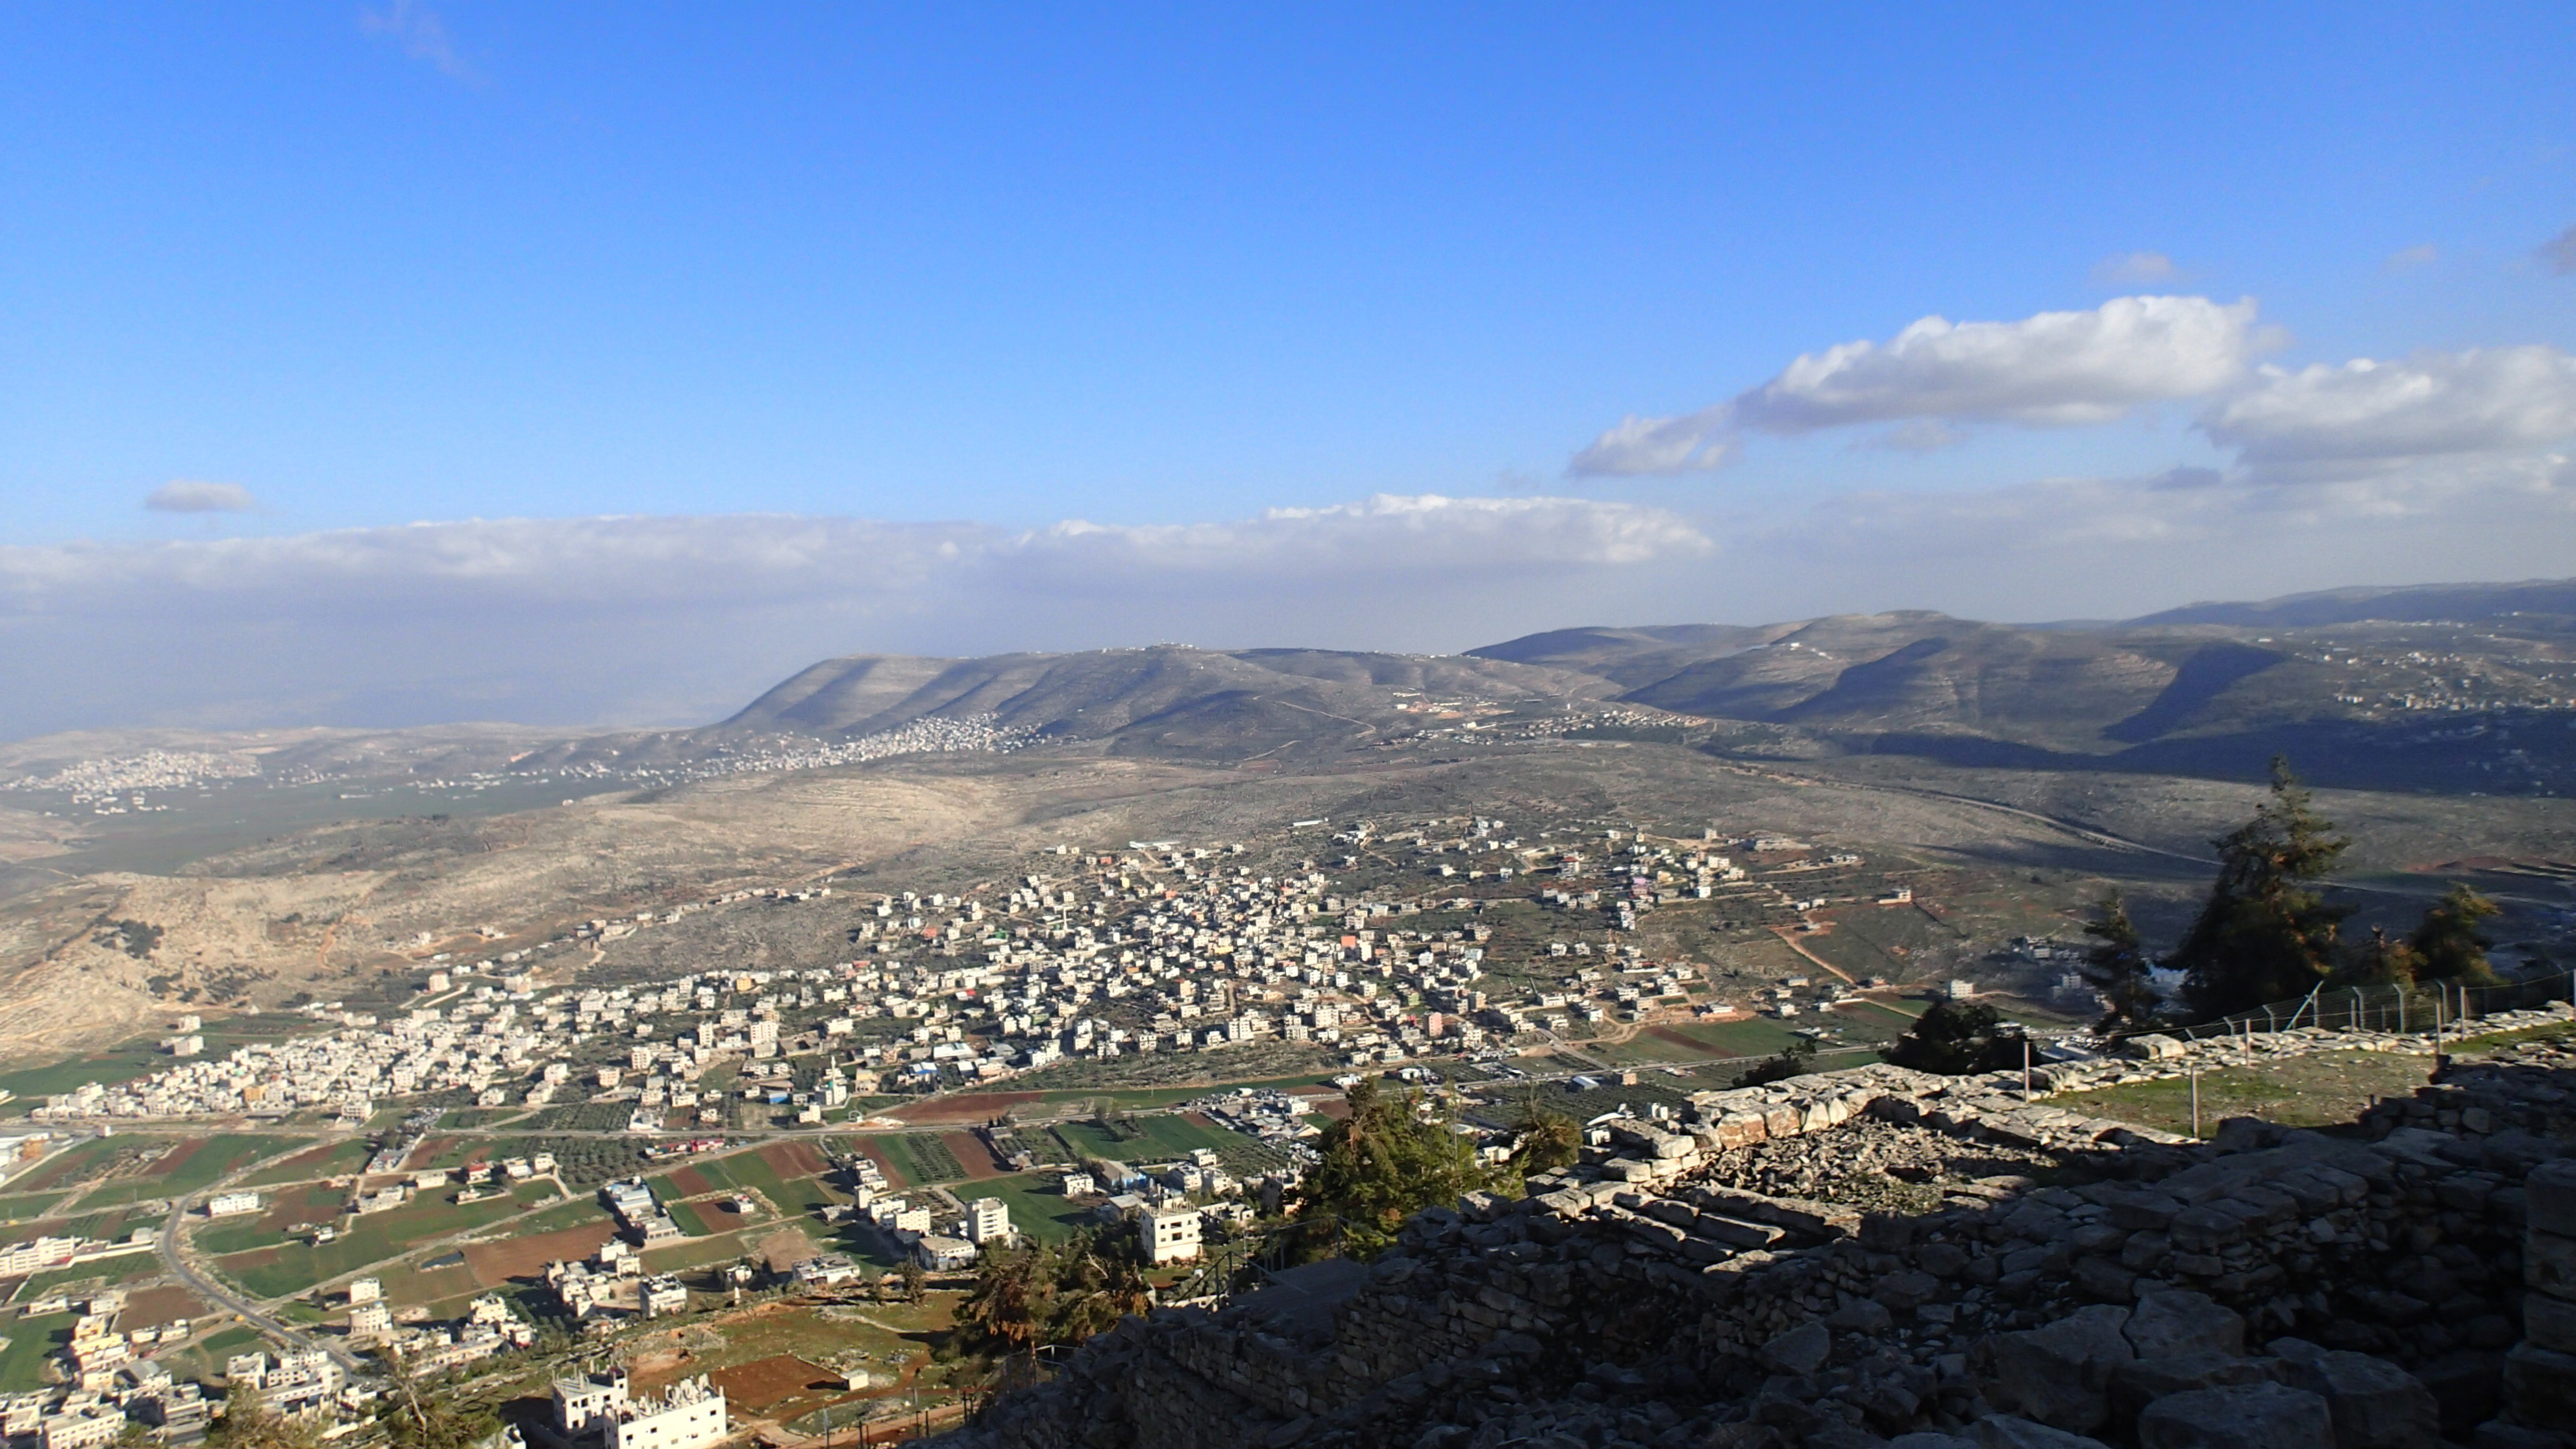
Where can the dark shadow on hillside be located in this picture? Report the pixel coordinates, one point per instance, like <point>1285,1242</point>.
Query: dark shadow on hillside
<point>2202,678</point>
<point>2457,754</point>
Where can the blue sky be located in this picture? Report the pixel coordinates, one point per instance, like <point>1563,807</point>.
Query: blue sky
<point>378,264</point>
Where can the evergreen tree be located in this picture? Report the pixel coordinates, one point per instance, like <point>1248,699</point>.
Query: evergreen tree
<point>2383,963</point>
<point>1547,1140</point>
<point>1381,1165</point>
<point>1013,1297</point>
<point>415,1417</point>
<point>248,1423</point>
<point>1031,1296</point>
<point>1955,1038</point>
<point>2449,943</point>
<point>2118,965</point>
<point>1098,1281</point>
<point>2264,935</point>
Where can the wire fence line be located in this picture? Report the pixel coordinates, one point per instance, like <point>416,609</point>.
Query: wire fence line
<point>2426,1008</point>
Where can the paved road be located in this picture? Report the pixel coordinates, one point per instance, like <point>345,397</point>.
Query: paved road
<point>204,1285</point>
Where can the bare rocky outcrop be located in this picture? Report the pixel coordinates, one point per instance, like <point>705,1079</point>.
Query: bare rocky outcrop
<point>2271,1287</point>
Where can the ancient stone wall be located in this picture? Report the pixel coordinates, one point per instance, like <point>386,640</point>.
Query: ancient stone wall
<point>2118,1284</point>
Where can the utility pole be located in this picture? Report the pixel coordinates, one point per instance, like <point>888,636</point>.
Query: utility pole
<point>2025,1071</point>
<point>2195,1099</point>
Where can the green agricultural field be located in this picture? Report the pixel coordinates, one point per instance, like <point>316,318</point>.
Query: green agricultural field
<point>274,1272</point>
<point>29,1206</point>
<point>32,1085</point>
<point>794,1196</point>
<point>72,1166</point>
<point>1037,1209</point>
<point>922,1158</point>
<point>1758,1036</point>
<point>339,1160</point>
<point>209,1161</point>
<point>283,1213</point>
<point>22,1363</point>
<point>703,1252</point>
<point>570,1213</point>
<point>1159,1138</point>
<point>91,1277</point>
<point>693,1217</point>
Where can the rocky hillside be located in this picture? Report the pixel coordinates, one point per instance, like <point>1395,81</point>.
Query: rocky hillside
<point>2056,1282</point>
<point>1165,700</point>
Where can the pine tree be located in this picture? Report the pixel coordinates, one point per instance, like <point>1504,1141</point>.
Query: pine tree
<point>1547,1140</point>
<point>1012,1298</point>
<point>2448,942</point>
<point>2383,963</point>
<point>1955,1038</point>
<point>2264,935</point>
<point>2118,965</point>
<point>1381,1165</point>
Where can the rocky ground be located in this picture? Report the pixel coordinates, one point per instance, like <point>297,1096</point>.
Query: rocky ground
<point>2075,1284</point>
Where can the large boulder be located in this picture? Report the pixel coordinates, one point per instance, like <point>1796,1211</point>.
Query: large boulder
<point>1799,1352</point>
<point>2006,1431</point>
<point>2242,1416</point>
<point>2138,1384</point>
<point>2060,1374</point>
<point>2375,1404</point>
<point>2173,1322</point>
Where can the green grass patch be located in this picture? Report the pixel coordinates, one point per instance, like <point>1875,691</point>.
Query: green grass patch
<point>570,1213</point>
<point>28,1206</point>
<point>31,1340</point>
<point>1757,1036</point>
<point>2327,1089</point>
<point>1037,1209</point>
<point>701,1252</point>
<point>32,1085</point>
<point>274,1272</point>
<point>693,1217</point>
<point>1160,1138</point>
<point>340,1159</point>
<point>794,1197</point>
<point>922,1158</point>
<point>85,1278</point>
<point>202,1167</point>
<point>73,1165</point>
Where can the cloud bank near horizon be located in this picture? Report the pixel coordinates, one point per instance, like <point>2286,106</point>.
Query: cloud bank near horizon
<point>2364,420</point>
<point>680,620</point>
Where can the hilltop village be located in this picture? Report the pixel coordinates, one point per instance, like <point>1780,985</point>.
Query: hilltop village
<point>1159,948</point>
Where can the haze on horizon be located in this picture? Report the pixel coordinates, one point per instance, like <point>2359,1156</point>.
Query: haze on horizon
<point>404,363</point>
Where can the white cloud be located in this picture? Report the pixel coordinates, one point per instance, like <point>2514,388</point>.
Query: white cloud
<point>2126,269</point>
<point>2056,368</point>
<point>1638,446</point>
<point>187,495</point>
<point>2320,421</point>
<point>683,619</point>
<point>422,34</point>
<point>2558,254</point>
<point>2412,258</point>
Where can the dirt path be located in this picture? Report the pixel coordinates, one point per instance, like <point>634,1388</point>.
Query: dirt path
<point>1785,939</point>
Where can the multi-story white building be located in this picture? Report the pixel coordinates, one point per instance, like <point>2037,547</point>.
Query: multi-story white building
<point>988,1221</point>
<point>690,1416</point>
<point>1169,1235</point>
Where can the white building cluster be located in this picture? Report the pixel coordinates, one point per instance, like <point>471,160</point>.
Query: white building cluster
<point>1158,948</point>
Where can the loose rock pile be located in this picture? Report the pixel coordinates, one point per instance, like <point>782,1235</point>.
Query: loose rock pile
<point>2071,1281</point>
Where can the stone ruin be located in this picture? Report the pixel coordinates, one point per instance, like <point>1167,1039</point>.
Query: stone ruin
<point>1971,1271</point>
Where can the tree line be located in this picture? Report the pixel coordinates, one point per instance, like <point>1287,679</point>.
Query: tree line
<point>2267,933</point>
